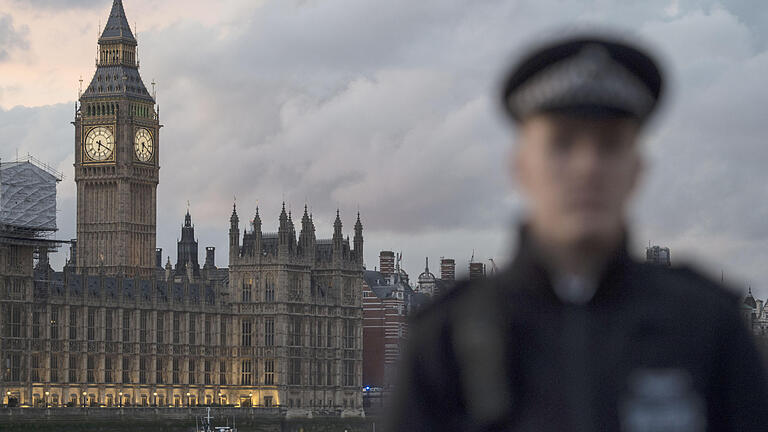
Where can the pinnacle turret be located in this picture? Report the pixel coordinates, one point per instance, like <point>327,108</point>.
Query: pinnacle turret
<point>234,220</point>
<point>257,221</point>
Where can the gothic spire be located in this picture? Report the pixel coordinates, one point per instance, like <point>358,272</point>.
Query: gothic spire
<point>233,220</point>
<point>257,220</point>
<point>358,225</point>
<point>283,219</point>
<point>305,217</point>
<point>117,27</point>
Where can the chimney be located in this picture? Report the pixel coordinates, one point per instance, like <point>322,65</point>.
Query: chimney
<point>476,270</point>
<point>210,257</point>
<point>387,262</point>
<point>447,269</point>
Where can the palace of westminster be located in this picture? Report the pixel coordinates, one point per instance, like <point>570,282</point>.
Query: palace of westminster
<point>281,326</point>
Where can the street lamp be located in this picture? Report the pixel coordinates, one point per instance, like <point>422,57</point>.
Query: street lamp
<point>187,398</point>
<point>46,398</point>
<point>155,395</point>
<point>120,402</point>
<point>9,397</point>
<point>84,394</point>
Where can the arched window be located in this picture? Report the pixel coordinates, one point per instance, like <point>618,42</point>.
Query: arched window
<point>269,289</point>
<point>247,285</point>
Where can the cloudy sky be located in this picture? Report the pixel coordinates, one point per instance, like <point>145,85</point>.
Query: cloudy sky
<point>390,107</point>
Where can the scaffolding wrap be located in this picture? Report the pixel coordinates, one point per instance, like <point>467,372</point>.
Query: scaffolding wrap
<point>28,195</point>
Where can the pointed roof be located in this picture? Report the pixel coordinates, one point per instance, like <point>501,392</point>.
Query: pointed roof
<point>117,26</point>
<point>234,219</point>
<point>257,218</point>
<point>749,300</point>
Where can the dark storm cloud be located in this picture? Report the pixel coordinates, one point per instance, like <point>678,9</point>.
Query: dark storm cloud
<point>11,37</point>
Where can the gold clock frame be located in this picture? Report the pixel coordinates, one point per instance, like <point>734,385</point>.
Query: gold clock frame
<point>151,159</point>
<point>85,159</point>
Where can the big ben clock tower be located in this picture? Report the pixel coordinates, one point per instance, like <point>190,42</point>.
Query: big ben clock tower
<point>116,160</point>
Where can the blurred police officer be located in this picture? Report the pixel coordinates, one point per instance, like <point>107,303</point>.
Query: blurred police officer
<point>575,335</point>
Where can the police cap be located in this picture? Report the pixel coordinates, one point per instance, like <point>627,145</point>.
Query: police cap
<point>586,75</point>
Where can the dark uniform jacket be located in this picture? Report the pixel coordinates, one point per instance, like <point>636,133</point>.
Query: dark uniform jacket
<point>655,349</point>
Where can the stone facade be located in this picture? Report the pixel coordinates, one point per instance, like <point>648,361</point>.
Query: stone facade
<point>300,308</point>
<point>278,328</point>
<point>282,326</point>
<point>116,160</point>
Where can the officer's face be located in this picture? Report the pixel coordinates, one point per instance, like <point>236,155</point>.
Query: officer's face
<point>577,173</point>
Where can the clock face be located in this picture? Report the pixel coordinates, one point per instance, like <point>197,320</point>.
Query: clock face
<point>143,145</point>
<point>100,144</point>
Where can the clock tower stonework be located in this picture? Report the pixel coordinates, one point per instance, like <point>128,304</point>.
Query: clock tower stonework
<point>116,161</point>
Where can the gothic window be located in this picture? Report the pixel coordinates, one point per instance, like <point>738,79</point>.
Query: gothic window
<point>294,331</point>
<point>54,367</point>
<point>54,322</point>
<point>91,365</point>
<point>143,324</point>
<point>223,373</point>
<point>269,372</point>
<point>126,326</point>
<point>207,376</point>
<point>160,328</point>
<point>318,372</point>
<point>14,322</point>
<point>269,289</point>
<point>159,367</point>
<point>349,295</point>
<point>269,332</point>
<point>223,332</point>
<point>108,325</point>
<point>108,370</point>
<point>208,331</point>
<point>247,284</point>
<point>329,335</point>
<point>143,368</point>
<point>72,323</point>
<point>192,330</point>
<point>246,333</point>
<point>329,374</point>
<point>349,334</point>
<point>126,370</point>
<point>176,371</point>
<point>312,334</point>
<point>192,370</point>
<point>73,368</point>
<point>35,360</point>
<point>91,324</point>
<point>245,377</point>
<point>176,328</point>
<point>294,287</point>
<point>36,324</point>
<point>294,371</point>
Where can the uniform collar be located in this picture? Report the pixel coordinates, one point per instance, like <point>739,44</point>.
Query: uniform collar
<point>529,268</point>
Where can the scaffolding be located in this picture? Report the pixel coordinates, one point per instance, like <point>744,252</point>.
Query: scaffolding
<point>28,202</point>
<point>28,195</point>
